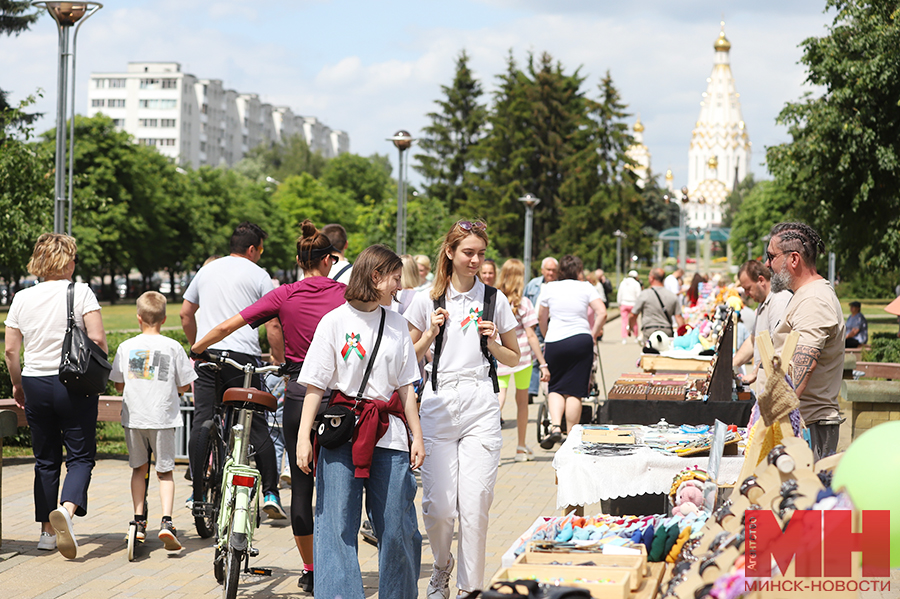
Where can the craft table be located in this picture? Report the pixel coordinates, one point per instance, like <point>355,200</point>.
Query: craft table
<point>658,363</point>
<point>584,479</point>
<point>649,411</point>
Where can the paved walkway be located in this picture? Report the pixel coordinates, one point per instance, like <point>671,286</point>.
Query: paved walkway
<point>524,492</point>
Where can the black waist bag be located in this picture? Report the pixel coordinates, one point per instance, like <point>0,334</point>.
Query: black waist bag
<point>83,367</point>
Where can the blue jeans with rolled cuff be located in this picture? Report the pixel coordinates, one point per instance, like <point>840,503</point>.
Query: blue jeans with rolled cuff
<point>390,503</point>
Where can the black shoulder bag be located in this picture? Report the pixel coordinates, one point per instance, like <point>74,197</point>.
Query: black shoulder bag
<point>490,299</point>
<point>337,422</point>
<point>340,272</point>
<point>83,367</point>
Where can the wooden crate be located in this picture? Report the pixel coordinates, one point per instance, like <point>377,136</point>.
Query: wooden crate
<point>633,564</point>
<point>584,577</point>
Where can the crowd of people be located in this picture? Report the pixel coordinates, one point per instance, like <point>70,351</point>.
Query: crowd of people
<point>426,359</point>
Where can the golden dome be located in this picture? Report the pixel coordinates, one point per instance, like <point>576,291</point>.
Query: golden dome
<point>638,126</point>
<point>669,175</point>
<point>713,162</point>
<point>722,44</point>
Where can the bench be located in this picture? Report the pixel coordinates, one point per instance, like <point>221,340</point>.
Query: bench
<point>108,410</point>
<point>879,370</point>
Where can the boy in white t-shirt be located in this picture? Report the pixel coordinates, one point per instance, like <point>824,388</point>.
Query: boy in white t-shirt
<point>156,369</point>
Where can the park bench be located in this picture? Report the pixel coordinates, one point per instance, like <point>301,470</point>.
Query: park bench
<point>874,401</point>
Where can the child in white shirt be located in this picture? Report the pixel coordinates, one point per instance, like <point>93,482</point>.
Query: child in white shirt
<point>156,369</point>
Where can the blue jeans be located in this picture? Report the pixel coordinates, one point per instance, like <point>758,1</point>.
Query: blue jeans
<point>390,503</point>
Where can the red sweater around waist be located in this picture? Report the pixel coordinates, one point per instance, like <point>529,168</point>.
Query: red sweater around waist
<point>372,422</point>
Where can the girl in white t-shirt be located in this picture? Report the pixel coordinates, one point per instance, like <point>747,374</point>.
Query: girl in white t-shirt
<point>460,413</point>
<point>337,359</point>
<point>512,284</point>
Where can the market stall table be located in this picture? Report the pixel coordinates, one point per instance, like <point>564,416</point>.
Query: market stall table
<point>649,411</point>
<point>584,479</point>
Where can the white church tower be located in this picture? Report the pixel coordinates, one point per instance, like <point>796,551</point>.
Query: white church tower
<point>719,154</point>
<point>639,154</point>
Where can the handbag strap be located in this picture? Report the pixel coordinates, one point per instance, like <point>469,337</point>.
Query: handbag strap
<point>70,302</point>
<point>365,380</point>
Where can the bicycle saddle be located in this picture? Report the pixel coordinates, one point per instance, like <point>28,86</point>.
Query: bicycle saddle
<point>260,399</point>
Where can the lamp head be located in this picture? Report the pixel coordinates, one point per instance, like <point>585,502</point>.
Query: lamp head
<point>530,200</point>
<point>66,14</point>
<point>402,140</point>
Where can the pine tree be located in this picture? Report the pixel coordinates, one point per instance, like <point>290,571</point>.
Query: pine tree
<point>449,140</point>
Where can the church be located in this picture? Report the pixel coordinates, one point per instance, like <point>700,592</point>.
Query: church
<point>719,152</point>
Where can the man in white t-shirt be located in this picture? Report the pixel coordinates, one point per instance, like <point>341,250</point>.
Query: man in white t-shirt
<point>673,282</point>
<point>220,290</point>
<point>340,270</point>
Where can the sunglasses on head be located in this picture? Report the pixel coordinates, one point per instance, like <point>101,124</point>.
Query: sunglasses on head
<point>467,225</point>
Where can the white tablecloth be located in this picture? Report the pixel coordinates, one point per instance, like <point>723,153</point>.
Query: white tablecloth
<point>584,479</point>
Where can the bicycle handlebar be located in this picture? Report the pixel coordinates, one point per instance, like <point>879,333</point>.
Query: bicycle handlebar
<point>214,361</point>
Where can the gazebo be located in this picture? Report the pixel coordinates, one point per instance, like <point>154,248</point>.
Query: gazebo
<point>702,238</point>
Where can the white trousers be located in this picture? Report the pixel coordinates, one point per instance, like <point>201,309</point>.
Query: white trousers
<point>461,429</point>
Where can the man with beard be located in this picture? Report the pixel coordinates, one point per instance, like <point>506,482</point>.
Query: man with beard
<point>815,312</point>
<point>756,281</point>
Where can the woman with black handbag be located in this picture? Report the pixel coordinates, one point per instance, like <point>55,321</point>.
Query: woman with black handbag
<point>57,415</point>
<point>363,351</point>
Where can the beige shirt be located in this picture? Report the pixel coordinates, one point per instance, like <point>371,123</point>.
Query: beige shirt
<point>815,313</point>
<point>768,317</point>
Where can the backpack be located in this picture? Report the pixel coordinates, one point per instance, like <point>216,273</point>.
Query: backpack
<point>490,299</point>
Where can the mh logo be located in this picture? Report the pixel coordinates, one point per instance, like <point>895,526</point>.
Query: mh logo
<point>821,542</point>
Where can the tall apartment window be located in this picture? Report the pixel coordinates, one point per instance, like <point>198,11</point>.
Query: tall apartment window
<point>116,103</point>
<point>149,123</point>
<point>100,83</point>
<point>167,122</point>
<point>149,83</point>
<point>145,141</point>
<point>119,123</point>
<point>167,142</point>
<point>202,146</point>
<point>204,108</point>
<point>157,103</point>
<point>118,83</point>
<point>170,84</point>
<point>95,103</point>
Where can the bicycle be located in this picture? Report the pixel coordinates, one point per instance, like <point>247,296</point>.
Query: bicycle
<point>590,406</point>
<point>226,492</point>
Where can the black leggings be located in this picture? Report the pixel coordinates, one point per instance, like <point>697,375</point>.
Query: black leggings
<point>302,485</point>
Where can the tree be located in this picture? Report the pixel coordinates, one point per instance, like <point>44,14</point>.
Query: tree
<point>359,177</point>
<point>14,19</point>
<point>26,192</point>
<point>301,197</point>
<point>281,161</point>
<point>450,138</point>
<point>767,203</point>
<point>843,162</point>
<point>735,199</point>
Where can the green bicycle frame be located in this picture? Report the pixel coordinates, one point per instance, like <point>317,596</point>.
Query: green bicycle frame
<point>236,514</point>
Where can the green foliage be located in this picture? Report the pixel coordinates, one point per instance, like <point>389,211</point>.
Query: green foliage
<point>767,203</point>
<point>861,284</point>
<point>843,163</point>
<point>26,191</point>
<point>736,198</point>
<point>885,348</point>
<point>15,16</point>
<point>280,161</point>
<point>448,143</point>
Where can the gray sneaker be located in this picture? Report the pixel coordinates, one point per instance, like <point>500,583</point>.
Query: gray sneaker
<point>47,542</point>
<point>65,535</point>
<point>439,585</point>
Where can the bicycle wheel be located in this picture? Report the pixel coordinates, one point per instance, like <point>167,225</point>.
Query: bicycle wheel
<point>206,456</point>
<point>233,562</point>
<point>543,422</point>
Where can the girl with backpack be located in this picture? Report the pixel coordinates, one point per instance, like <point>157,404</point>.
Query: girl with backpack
<point>468,326</point>
<point>363,352</point>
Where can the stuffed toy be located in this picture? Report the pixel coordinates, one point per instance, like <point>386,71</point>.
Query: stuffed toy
<point>689,497</point>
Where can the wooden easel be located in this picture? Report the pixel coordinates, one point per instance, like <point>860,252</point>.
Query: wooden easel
<point>767,353</point>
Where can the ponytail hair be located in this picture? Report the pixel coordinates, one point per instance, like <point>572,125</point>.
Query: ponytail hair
<point>443,264</point>
<point>312,246</point>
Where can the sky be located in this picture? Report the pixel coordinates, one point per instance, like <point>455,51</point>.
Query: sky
<point>373,67</point>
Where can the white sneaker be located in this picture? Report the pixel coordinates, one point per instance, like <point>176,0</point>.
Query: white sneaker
<point>286,476</point>
<point>47,542</point>
<point>439,585</point>
<point>624,341</point>
<point>65,534</point>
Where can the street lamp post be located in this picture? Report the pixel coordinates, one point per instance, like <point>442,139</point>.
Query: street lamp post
<point>530,202</point>
<point>66,14</point>
<point>402,141</point>
<point>619,236</point>
<point>749,251</point>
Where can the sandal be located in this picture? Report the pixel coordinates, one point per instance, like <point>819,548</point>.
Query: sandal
<point>553,438</point>
<point>524,454</point>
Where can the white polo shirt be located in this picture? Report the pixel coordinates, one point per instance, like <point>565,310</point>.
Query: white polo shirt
<point>462,342</point>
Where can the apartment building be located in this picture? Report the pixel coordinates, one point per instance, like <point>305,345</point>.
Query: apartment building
<point>198,121</point>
